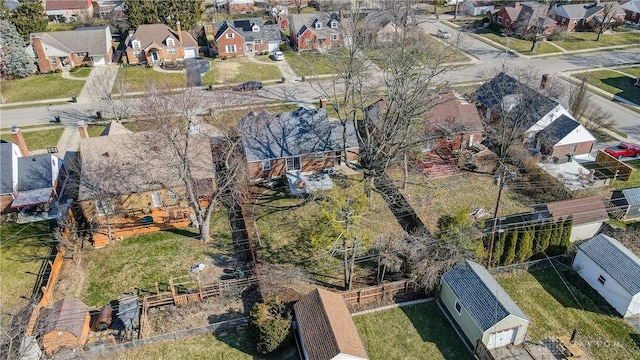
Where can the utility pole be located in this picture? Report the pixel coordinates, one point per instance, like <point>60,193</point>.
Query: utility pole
<point>503,180</point>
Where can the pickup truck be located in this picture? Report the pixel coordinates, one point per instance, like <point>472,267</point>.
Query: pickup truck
<point>623,149</point>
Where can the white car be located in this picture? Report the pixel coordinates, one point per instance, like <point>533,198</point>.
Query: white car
<point>278,56</point>
<point>442,33</point>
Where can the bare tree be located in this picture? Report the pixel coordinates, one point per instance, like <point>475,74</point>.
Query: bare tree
<point>607,19</point>
<point>108,96</point>
<point>584,109</point>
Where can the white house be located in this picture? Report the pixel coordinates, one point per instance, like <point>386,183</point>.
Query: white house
<point>612,270</point>
<point>478,7</point>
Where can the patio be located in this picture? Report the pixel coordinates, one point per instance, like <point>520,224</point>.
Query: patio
<point>304,183</point>
<point>574,176</point>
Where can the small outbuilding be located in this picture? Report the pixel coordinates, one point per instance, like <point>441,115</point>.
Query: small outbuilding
<point>324,328</point>
<point>625,203</point>
<point>612,270</point>
<point>588,215</point>
<point>67,326</point>
<point>481,307</point>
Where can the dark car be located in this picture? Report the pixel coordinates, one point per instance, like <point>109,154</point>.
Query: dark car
<point>249,85</point>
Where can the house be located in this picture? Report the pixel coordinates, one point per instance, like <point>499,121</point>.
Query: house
<point>88,46</point>
<point>297,141</point>
<point>239,6</point>
<point>130,184</point>
<point>582,16</point>
<point>612,270</point>
<point>588,215</point>
<point>625,203</point>
<point>386,26</point>
<point>524,18</point>
<point>477,7</point>
<point>481,307</point>
<point>324,328</point>
<point>632,11</point>
<point>9,154</point>
<point>67,326</point>
<point>111,9</point>
<point>505,100</point>
<point>68,10</point>
<point>241,37</point>
<point>152,43</point>
<point>564,138</point>
<point>318,31</point>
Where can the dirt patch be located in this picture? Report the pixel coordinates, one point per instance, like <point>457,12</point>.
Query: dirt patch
<point>227,71</point>
<point>72,281</point>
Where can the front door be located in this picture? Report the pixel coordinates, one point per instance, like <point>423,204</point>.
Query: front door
<point>154,56</point>
<point>293,163</point>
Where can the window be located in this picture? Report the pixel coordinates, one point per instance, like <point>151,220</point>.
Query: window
<point>499,19</point>
<point>601,279</point>
<point>80,54</point>
<point>156,199</point>
<point>334,37</point>
<point>172,195</point>
<point>458,307</point>
<point>255,28</point>
<point>171,51</point>
<point>257,41</point>
<point>104,207</point>
<point>318,25</point>
<point>229,49</point>
<point>170,42</point>
<point>53,60</point>
<point>266,165</point>
<point>633,15</point>
<point>572,148</point>
<point>507,23</point>
<point>307,41</point>
<point>135,44</point>
<point>230,35</point>
<point>334,24</point>
<point>137,54</point>
<point>293,163</point>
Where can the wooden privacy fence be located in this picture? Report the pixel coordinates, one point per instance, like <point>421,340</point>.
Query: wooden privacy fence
<point>481,352</point>
<point>377,293</point>
<point>621,170</point>
<point>47,289</point>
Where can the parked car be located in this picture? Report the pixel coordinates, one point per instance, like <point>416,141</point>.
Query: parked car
<point>278,56</point>
<point>444,34</point>
<point>624,149</point>
<point>249,85</point>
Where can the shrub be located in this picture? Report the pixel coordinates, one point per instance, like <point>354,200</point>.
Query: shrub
<point>496,28</point>
<point>57,71</point>
<point>269,324</point>
<point>74,69</point>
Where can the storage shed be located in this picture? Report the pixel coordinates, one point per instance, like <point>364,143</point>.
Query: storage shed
<point>324,328</point>
<point>67,326</point>
<point>625,204</point>
<point>588,215</point>
<point>612,270</point>
<point>481,307</point>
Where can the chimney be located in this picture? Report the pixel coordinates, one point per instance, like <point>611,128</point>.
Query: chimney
<point>179,30</point>
<point>516,5</point>
<point>130,37</point>
<point>16,135</point>
<point>323,102</point>
<point>545,84</point>
<point>82,128</point>
<point>340,15</point>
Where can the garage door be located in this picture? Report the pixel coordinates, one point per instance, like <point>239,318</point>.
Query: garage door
<point>190,53</point>
<point>274,46</point>
<point>501,338</point>
<point>99,60</point>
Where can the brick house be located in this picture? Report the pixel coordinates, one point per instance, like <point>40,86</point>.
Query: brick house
<point>564,137</point>
<point>243,37</point>
<point>83,46</point>
<point>240,6</point>
<point>632,11</point>
<point>76,9</point>
<point>318,31</point>
<point>581,16</point>
<point>159,43</point>
<point>524,18</point>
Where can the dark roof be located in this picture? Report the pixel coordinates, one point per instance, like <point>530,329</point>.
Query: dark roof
<point>582,211</point>
<point>505,95</point>
<point>326,326</point>
<point>514,221</point>
<point>94,40</point>
<point>621,264</point>
<point>269,32</point>
<point>69,315</point>
<point>35,172</point>
<point>6,163</point>
<point>300,132</point>
<point>480,294</point>
<point>557,130</point>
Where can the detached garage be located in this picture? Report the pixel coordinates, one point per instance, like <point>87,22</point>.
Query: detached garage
<point>612,270</point>
<point>481,307</point>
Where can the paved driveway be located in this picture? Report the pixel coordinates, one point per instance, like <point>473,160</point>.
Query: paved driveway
<point>195,69</point>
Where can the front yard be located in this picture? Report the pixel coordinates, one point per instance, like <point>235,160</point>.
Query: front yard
<point>310,63</point>
<point>40,87</point>
<point>615,83</point>
<point>233,71</point>
<point>411,332</point>
<point>39,139</point>
<point>555,308</point>
<point>587,40</point>
<point>521,46</point>
<point>137,78</point>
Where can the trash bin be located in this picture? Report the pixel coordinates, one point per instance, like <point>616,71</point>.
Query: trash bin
<point>569,157</point>
<point>210,87</point>
<point>302,78</point>
<point>99,114</point>
<point>282,80</point>
<point>74,99</point>
<point>57,117</point>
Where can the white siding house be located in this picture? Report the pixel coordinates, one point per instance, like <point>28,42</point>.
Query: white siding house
<point>612,270</point>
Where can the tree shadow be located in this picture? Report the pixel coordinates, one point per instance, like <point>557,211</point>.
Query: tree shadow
<point>625,86</point>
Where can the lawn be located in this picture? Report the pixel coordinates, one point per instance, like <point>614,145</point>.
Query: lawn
<point>232,71</point>
<point>433,49</point>
<point>411,332</point>
<point>137,78</point>
<point>81,73</point>
<point>554,312</point>
<point>231,117</point>
<point>309,63</point>
<point>521,46</point>
<point>40,139</point>
<point>587,40</point>
<point>614,83</point>
<point>633,70</point>
<point>95,129</point>
<point>22,251</point>
<point>40,87</point>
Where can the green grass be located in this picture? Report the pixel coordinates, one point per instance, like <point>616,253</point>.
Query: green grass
<point>40,87</point>
<point>63,26</point>
<point>37,126</point>
<point>230,117</point>
<point>309,63</point>
<point>521,46</point>
<point>95,130</point>
<point>22,249</point>
<point>81,73</point>
<point>614,83</point>
<point>411,332</point>
<point>587,40</point>
<point>232,71</point>
<point>40,139</point>
<point>554,312</point>
<point>137,78</point>
<point>633,70</point>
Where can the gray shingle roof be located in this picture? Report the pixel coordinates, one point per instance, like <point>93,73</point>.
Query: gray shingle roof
<point>633,6</point>
<point>557,130</point>
<point>621,264</point>
<point>300,132</point>
<point>584,11</point>
<point>94,40</point>
<point>6,175</point>
<point>35,172</point>
<point>244,27</point>
<point>480,294</point>
<point>300,22</point>
<point>632,195</point>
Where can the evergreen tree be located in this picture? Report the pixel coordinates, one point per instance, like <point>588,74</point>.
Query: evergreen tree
<point>556,233</point>
<point>498,248</point>
<point>545,236</point>
<point>269,324</point>
<point>510,248</point>
<point>19,61</point>
<point>29,17</point>
<point>525,244</point>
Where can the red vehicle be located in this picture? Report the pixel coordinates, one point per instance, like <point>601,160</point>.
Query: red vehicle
<point>623,149</point>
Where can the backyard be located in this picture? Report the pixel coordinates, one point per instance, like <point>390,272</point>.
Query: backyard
<point>615,83</point>
<point>232,71</point>
<point>556,305</point>
<point>39,139</point>
<point>137,78</point>
<point>411,332</point>
<point>40,87</point>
